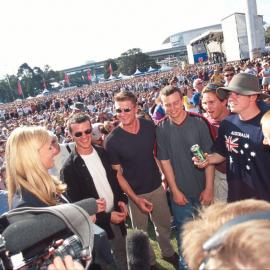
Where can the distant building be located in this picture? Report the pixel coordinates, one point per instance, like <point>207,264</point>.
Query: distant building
<point>169,56</point>
<point>183,38</point>
<point>236,44</point>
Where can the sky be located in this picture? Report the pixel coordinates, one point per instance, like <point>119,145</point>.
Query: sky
<point>68,33</point>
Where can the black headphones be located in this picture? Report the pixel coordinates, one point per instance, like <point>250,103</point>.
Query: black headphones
<point>216,240</point>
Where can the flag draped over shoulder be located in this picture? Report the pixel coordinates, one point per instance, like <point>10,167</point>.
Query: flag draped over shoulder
<point>110,70</point>
<point>19,87</point>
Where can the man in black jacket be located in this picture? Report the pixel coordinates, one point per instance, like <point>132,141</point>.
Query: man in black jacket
<point>88,173</point>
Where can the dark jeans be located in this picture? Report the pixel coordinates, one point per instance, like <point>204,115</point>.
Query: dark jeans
<point>183,213</point>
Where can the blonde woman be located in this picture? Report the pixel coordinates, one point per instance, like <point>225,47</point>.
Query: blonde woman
<point>29,156</point>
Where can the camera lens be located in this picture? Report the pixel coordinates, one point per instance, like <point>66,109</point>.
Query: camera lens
<point>71,246</point>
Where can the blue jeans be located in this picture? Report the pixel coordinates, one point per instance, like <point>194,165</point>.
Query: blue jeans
<point>3,201</point>
<point>183,213</point>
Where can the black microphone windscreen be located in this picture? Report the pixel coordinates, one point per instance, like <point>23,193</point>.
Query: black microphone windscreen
<point>138,251</point>
<point>32,230</point>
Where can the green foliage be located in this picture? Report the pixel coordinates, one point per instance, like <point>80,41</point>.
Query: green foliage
<point>8,88</point>
<point>32,82</point>
<point>267,35</point>
<point>134,58</point>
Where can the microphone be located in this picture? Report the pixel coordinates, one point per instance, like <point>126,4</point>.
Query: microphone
<point>40,230</point>
<point>138,251</point>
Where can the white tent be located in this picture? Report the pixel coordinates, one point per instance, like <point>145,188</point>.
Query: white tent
<point>45,92</point>
<point>151,70</point>
<point>165,68</point>
<point>123,77</point>
<point>111,78</point>
<point>29,97</point>
<point>138,73</point>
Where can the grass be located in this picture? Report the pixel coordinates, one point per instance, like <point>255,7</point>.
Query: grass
<point>152,237</point>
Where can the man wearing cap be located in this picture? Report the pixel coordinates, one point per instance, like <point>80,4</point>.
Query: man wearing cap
<point>215,107</point>
<point>239,142</point>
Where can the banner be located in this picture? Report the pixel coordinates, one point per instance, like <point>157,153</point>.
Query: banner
<point>20,92</point>
<point>89,76</point>
<point>110,70</point>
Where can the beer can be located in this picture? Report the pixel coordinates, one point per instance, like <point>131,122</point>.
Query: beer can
<point>197,152</point>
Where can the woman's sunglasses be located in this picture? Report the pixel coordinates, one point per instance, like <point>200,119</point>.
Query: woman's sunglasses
<point>80,133</point>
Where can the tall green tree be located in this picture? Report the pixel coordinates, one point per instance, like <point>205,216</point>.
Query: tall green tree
<point>25,75</point>
<point>134,58</point>
<point>8,88</point>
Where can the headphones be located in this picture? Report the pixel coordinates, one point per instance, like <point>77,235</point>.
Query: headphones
<point>216,240</point>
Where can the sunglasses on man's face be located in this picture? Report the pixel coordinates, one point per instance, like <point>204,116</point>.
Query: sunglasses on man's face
<point>80,133</point>
<point>126,110</point>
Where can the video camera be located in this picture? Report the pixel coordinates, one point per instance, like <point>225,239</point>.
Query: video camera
<point>28,235</point>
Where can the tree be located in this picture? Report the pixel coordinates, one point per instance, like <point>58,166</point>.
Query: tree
<point>106,67</point>
<point>134,58</point>
<point>8,88</point>
<point>25,74</point>
<point>38,80</point>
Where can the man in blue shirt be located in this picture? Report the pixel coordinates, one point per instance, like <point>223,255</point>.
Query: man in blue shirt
<point>239,142</point>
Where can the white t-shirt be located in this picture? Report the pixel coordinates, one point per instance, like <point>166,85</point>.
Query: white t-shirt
<point>98,173</point>
<point>60,158</point>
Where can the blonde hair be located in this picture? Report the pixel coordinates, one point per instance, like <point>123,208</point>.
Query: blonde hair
<point>266,119</point>
<point>241,248</point>
<point>25,169</point>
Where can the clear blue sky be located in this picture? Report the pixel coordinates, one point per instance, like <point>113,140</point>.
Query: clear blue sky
<point>66,33</point>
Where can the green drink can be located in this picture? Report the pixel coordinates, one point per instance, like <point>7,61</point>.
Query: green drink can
<point>198,153</point>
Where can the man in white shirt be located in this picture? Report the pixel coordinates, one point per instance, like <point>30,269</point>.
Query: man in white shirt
<point>88,173</point>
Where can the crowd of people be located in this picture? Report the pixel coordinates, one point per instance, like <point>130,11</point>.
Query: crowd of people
<point>127,145</point>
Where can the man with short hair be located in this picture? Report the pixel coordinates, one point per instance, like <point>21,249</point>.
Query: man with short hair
<point>196,98</point>
<point>131,146</point>
<point>239,142</point>
<point>215,107</point>
<point>87,173</point>
<point>228,72</point>
<point>176,134</point>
